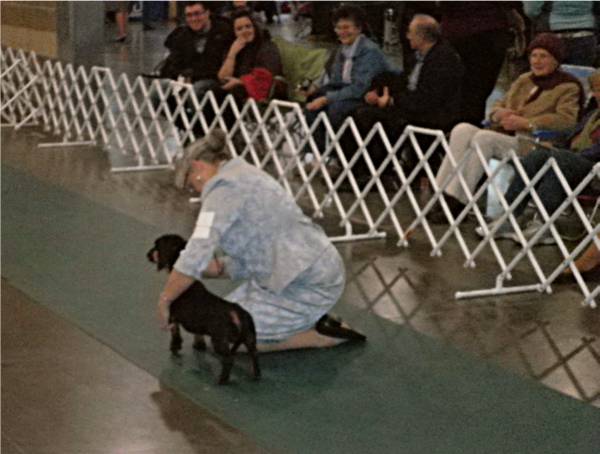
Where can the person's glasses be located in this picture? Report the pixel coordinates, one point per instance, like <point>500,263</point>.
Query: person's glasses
<point>195,14</point>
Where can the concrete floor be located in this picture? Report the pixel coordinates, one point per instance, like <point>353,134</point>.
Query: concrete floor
<point>548,338</point>
<point>82,397</point>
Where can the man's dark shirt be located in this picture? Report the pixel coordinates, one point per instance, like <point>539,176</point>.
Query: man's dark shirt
<point>436,100</point>
<point>435,103</point>
<point>197,55</point>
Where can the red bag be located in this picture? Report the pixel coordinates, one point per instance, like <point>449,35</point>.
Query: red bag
<point>258,83</point>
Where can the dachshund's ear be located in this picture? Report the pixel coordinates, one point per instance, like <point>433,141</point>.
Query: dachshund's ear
<point>162,260</point>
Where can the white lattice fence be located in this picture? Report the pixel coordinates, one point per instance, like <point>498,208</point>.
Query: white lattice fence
<point>529,251</point>
<point>19,99</point>
<point>146,122</point>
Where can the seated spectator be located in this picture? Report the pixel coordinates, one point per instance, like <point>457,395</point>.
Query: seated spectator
<point>196,52</point>
<point>429,97</point>
<point>197,49</point>
<point>252,62</point>
<point>353,66</point>
<point>575,164</point>
<point>544,98</point>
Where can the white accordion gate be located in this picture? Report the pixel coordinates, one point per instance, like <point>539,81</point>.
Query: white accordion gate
<point>147,121</point>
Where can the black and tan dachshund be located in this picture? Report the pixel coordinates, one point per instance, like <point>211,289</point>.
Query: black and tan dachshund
<point>203,313</point>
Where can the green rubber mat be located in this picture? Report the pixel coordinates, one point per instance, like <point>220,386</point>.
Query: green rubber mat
<point>402,392</point>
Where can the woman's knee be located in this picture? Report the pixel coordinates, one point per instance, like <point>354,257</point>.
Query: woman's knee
<point>463,131</point>
<point>485,137</point>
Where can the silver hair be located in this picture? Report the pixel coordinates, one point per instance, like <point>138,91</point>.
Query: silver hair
<point>211,148</point>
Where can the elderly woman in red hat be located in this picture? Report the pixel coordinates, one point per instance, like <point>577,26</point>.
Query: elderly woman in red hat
<point>543,98</point>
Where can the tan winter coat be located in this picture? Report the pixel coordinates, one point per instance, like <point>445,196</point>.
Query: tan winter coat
<point>556,109</point>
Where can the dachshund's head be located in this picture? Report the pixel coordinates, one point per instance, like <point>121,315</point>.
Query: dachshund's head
<point>166,251</point>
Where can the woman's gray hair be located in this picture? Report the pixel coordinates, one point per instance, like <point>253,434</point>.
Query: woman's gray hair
<point>211,149</point>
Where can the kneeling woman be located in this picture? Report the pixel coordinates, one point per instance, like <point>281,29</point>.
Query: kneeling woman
<point>293,274</point>
<point>252,61</point>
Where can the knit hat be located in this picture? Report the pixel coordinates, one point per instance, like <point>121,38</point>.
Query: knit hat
<point>210,149</point>
<point>549,42</point>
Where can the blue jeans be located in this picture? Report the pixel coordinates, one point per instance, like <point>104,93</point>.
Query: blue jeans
<point>573,166</point>
<point>337,112</point>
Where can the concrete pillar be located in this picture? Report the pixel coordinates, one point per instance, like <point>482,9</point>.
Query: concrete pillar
<point>80,31</point>
<point>70,31</point>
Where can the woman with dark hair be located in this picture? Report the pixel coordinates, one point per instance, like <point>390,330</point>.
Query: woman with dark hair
<point>252,62</point>
<point>354,65</point>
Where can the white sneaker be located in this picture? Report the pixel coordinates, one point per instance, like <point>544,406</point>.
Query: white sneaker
<point>532,228</point>
<point>504,232</point>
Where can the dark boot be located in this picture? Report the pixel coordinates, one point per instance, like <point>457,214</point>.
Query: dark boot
<point>438,216</point>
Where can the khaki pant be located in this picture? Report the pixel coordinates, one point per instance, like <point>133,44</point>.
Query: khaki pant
<point>463,138</point>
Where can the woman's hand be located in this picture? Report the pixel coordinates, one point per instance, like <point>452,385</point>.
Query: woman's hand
<point>371,97</point>
<point>236,47</point>
<point>317,104</point>
<point>384,99</point>
<point>175,286</point>
<point>501,113</point>
<point>306,92</point>
<point>163,313</point>
<point>215,269</point>
<point>230,83</point>
<point>515,123</point>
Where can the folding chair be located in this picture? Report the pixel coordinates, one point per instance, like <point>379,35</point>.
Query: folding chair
<point>300,63</point>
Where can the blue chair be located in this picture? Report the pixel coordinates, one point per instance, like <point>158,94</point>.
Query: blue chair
<point>582,73</point>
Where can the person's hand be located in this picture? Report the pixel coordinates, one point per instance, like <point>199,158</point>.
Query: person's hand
<point>371,97</point>
<point>230,83</point>
<point>317,104</point>
<point>215,269</point>
<point>163,314</point>
<point>501,113</point>
<point>515,123</point>
<point>308,91</point>
<point>236,47</point>
<point>384,99</point>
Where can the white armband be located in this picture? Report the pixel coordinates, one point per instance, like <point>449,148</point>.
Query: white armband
<point>203,225</point>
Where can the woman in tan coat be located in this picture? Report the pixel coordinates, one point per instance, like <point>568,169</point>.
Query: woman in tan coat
<point>544,98</point>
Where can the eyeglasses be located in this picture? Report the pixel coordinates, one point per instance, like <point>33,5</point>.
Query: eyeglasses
<point>195,14</point>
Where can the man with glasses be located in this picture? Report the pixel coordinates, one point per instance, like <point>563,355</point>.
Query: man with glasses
<point>197,49</point>
<point>196,53</point>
